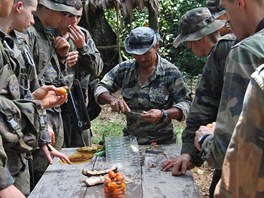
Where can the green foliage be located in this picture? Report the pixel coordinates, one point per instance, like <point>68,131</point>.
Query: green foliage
<point>102,126</point>
<point>170,12</point>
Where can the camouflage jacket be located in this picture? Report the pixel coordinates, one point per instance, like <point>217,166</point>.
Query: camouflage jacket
<point>242,61</point>
<point>207,96</point>
<point>90,63</point>
<point>22,122</point>
<point>242,174</point>
<point>48,66</point>
<point>164,89</point>
<point>27,72</point>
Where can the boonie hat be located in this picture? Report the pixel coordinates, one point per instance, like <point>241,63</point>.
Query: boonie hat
<point>70,6</point>
<point>195,24</point>
<point>215,8</point>
<point>140,40</point>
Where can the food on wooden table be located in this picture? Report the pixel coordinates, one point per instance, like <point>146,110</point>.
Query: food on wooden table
<point>114,185</point>
<point>62,91</point>
<point>80,157</point>
<point>90,173</point>
<point>90,149</point>
<point>94,180</point>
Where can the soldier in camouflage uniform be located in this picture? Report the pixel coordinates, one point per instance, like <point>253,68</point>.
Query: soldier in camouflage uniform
<point>242,61</point>
<point>243,163</point>
<point>219,13</point>
<point>18,136</point>
<point>150,86</point>
<point>203,37</point>
<point>85,63</point>
<point>49,53</point>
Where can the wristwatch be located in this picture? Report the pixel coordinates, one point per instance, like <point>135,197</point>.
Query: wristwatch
<point>165,114</point>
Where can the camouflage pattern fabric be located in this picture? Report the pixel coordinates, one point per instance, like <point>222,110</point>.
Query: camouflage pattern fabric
<point>47,67</point>
<point>243,170</point>
<point>90,63</point>
<point>164,89</point>
<point>207,96</point>
<point>88,67</point>
<point>242,61</point>
<point>22,125</point>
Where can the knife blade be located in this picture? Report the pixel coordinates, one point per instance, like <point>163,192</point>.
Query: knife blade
<point>134,113</point>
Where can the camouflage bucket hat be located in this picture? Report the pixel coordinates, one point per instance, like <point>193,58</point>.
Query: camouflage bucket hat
<point>69,6</point>
<point>195,24</point>
<point>215,8</point>
<point>140,40</point>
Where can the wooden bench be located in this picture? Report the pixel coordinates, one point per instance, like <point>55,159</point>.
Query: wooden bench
<point>66,181</point>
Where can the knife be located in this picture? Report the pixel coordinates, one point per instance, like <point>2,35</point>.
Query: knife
<point>134,113</point>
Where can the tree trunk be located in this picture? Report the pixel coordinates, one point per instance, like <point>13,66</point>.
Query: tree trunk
<point>103,36</point>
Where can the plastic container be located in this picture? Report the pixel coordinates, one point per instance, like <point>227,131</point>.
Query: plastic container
<point>114,186</point>
<point>114,147</point>
<point>131,151</point>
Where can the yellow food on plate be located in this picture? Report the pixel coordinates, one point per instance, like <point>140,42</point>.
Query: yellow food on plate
<point>89,149</point>
<point>80,157</point>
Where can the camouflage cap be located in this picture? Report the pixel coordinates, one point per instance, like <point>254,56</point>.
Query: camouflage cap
<point>215,8</point>
<point>140,40</point>
<point>73,7</point>
<point>195,24</point>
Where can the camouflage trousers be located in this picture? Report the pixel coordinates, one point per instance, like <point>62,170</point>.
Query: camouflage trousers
<point>18,167</point>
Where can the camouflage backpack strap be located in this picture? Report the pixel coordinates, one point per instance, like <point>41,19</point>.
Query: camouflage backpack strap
<point>4,73</point>
<point>10,111</point>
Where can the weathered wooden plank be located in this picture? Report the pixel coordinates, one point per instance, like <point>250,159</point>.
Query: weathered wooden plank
<point>157,183</point>
<point>61,181</point>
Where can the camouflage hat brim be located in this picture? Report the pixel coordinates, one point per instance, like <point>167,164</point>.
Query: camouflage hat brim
<point>60,7</point>
<point>210,28</point>
<point>141,49</point>
<point>218,14</point>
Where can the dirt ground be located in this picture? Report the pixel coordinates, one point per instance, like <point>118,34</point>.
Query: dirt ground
<point>202,175</point>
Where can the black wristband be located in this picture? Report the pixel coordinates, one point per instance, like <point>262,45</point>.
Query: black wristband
<point>201,140</point>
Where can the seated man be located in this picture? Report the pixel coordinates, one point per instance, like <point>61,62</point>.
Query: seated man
<point>152,88</point>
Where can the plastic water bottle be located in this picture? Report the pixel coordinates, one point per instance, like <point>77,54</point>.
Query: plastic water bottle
<point>131,151</point>
<point>114,147</point>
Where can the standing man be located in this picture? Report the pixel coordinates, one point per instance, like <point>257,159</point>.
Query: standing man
<point>243,164</point>
<point>50,52</point>
<point>204,38</point>
<point>246,19</point>
<point>153,90</point>
<point>27,125</point>
<point>85,64</point>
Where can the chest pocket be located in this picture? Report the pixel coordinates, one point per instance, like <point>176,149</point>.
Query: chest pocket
<point>159,95</point>
<point>13,86</point>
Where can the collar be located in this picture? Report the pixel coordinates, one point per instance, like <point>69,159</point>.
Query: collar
<point>260,25</point>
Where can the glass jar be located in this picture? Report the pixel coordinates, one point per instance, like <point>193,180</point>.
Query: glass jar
<point>114,185</point>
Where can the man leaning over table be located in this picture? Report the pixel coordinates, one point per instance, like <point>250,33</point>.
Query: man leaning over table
<point>149,85</point>
<point>204,38</point>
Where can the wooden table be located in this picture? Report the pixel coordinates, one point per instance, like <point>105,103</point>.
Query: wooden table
<point>66,181</point>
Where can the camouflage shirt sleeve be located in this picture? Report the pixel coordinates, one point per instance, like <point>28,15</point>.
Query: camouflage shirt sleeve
<point>90,54</point>
<point>246,148</point>
<point>5,177</point>
<point>242,61</point>
<point>207,96</point>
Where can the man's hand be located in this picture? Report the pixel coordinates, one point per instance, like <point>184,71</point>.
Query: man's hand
<point>51,152</point>
<point>62,46</point>
<point>119,105</point>
<point>52,135</point>
<point>11,192</point>
<point>202,131</point>
<point>48,96</point>
<point>153,115</point>
<point>179,166</point>
<point>77,36</point>
<point>72,58</point>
